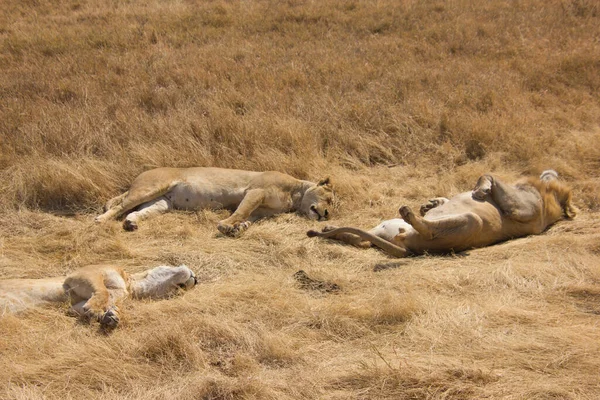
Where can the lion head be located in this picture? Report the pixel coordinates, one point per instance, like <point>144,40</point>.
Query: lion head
<point>556,197</point>
<point>562,197</point>
<point>317,200</point>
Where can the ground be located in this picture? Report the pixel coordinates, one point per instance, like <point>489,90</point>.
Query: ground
<point>515,320</point>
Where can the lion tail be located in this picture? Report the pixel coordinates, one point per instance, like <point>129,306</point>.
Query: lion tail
<point>388,247</point>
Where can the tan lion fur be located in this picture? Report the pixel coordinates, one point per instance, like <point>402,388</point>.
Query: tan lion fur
<point>492,212</point>
<point>95,291</point>
<point>251,195</point>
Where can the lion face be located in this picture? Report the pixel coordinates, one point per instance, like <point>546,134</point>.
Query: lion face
<point>317,201</point>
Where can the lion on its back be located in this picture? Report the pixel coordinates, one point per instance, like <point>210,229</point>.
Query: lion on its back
<point>492,212</point>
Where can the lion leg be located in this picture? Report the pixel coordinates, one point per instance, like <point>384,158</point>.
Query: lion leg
<point>516,203</point>
<point>238,221</point>
<point>109,318</point>
<point>145,211</point>
<point>431,204</point>
<point>114,201</point>
<point>97,295</point>
<point>137,194</point>
<point>110,214</point>
<point>453,225</point>
<point>88,293</point>
<point>115,281</point>
<point>112,316</point>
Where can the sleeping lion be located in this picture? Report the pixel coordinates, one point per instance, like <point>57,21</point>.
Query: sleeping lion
<point>96,291</point>
<point>251,195</point>
<point>492,212</point>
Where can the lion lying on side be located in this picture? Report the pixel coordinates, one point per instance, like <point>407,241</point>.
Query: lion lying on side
<point>252,195</point>
<point>492,212</point>
<point>95,291</point>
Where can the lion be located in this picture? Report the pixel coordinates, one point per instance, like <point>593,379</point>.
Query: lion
<point>492,212</point>
<point>251,195</point>
<point>96,291</point>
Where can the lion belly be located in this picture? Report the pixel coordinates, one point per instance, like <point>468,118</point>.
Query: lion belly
<point>390,228</point>
<point>206,196</point>
<point>210,188</point>
<point>493,226</point>
<point>488,232</point>
<point>464,203</point>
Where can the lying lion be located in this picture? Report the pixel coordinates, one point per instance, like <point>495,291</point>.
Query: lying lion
<point>252,195</point>
<point>95,292</point>
<point>491,213</point>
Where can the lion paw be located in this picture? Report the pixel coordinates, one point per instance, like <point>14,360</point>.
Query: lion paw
<point>130,226</point>
<point>407,214</point>
<point>483,188</point>
<point>233,230</point>
<point>110,319</point>
<point>481,193</point>
<point>225,229</point>
<point>242,226</point>
<point>431,204</point>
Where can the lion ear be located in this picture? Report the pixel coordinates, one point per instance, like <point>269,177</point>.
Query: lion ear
<point>325,182</point>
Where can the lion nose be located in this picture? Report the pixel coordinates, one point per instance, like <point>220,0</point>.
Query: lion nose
<point>325,214</point>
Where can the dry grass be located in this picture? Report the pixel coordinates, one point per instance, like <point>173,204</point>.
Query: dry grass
<point>398,101</point>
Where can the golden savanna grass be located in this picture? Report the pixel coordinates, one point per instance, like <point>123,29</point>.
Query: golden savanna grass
<point>398,101</point>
